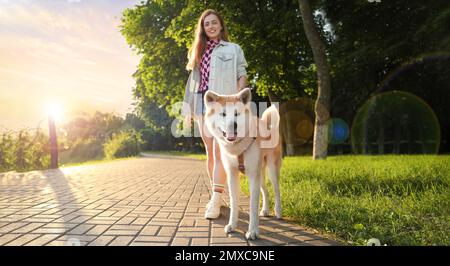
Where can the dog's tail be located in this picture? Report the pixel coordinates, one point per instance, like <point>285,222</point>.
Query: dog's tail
<point>269,127</point>
<point>271,118</point>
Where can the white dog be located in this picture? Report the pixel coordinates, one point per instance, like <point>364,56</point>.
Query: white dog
<point>248,144</point>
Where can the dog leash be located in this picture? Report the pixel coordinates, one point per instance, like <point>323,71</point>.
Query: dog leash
<point>241,166</point>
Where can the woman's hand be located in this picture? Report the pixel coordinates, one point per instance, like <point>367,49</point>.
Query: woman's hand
<point>242,83</point>
<point>187,120</point>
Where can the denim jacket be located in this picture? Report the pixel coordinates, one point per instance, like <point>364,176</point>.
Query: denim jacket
<point>227,66</point>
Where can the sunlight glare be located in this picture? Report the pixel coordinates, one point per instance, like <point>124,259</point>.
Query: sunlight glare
<point>55,111</point>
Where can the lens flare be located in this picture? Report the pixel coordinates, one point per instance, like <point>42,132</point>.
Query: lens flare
<point>338,131</point>
<point>297,121</point>
<point>395,122</point>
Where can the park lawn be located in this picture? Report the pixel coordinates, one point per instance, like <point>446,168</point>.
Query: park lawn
<point>398,199</point>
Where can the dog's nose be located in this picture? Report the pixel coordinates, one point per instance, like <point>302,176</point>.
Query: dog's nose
<point>235,126</point>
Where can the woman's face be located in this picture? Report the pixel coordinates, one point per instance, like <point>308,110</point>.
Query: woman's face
<point>212,27</point>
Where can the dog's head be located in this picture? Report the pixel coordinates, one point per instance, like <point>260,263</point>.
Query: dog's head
<point>228,117</point>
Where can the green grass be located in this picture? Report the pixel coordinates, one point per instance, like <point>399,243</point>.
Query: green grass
<point>401,200</point>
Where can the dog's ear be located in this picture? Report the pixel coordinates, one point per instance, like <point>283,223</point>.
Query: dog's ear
<point>245,96</point>
<point>210,97</point>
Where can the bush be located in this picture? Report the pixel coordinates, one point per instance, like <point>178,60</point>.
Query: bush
<point>124,144</point>
<point>83,150</point>
<point>24,150</point>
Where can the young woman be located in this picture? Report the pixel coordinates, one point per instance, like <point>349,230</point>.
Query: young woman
<point>219,65</point>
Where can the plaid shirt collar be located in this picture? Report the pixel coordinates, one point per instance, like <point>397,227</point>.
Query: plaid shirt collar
<point>205,64</point>
<point>210,43</point>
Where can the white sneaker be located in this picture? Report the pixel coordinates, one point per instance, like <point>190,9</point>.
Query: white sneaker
<point>213,207</point>
<point>222,203</point>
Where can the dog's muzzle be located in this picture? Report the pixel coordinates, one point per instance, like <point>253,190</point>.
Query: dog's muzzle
<point>230,138</point>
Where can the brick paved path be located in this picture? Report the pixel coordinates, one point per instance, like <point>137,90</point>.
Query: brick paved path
<point>143,201</point>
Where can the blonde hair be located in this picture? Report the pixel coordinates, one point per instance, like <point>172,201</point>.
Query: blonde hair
<point>199,44</point>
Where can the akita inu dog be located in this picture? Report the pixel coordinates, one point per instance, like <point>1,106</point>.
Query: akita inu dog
<point>248,144</point>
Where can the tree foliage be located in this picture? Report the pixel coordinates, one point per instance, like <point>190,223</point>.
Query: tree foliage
<point>367,42</point>
<point>162,31</point>
<point>389,45</point>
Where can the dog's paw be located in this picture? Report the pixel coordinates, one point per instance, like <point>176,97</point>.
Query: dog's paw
<point>264,213</point>
<point>252,234</point>
<point>229,228</point>
<point>278,214</point>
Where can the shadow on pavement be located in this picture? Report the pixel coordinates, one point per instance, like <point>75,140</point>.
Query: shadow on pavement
<point>67,206</point>
<point>272,231</point>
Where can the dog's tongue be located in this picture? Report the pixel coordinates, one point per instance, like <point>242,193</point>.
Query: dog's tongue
<point>231,137</point>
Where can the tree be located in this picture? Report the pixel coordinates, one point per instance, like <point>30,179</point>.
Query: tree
<point>322,105</point>
<point>99,126</point>
<point>362,41</point>
<point>161,74</point>
<point>389,45</point>
<point>276,50</point>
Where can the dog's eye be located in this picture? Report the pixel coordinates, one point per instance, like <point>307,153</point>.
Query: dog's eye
<point>236,113</point>
<point>222,114</point>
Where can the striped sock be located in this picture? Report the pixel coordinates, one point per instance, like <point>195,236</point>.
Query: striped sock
<point>218,187</point>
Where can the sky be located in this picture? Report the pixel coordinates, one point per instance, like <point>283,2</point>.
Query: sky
<point>68,52</point>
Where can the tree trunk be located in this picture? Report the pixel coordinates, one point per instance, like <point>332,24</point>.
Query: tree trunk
<point>53,143</point>
<point>322,105</point>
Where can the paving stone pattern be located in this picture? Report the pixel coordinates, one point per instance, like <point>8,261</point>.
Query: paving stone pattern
<point>151,201</point>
